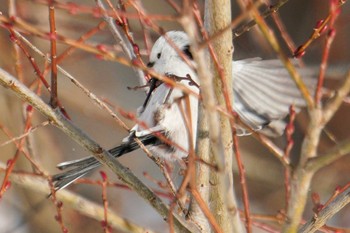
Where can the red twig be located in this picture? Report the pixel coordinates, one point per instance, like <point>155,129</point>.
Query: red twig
<point>75,9</point>
<point>321,26</point>
<point>71,49</point>
<point>208,214</point>
<point>34,65</point>
<point>28,114</point>
<point>145,32</point>
<point>159,183</point>
<point>265,227</point>
<point>59,207</point>
<point>82,38</point>
<point>106,227</point>
<point>334,12</point>
<point>316,201</point>
<point>122,186</point>
<point>189,178</point>
<point>337,191</point>
<point>290,142</point>
<point>281,27</point>
<point>11,163</point>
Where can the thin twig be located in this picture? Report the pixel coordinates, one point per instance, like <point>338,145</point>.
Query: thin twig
<point>77,9</point>
<point>105,223</point>
<point>53,99</point>
<point>318,31</point>
<point>247,26</point>
<point>290,142</point>
<point>122,38</point>
<point>29,131</point>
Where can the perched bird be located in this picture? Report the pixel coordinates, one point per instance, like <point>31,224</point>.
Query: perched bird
<point>263,92</point>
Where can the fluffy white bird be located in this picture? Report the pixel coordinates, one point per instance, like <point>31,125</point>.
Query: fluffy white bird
<point>263,92</point>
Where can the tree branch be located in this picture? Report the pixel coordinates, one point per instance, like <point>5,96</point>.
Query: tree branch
<point>333,106</point>
<point>322,160</point>
<point>217,16</point>
<point>329,211</point>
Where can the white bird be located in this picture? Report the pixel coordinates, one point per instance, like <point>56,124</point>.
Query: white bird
<point>263,92</point>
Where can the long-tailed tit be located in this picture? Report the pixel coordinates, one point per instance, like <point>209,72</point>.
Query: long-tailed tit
<point>263,92</point>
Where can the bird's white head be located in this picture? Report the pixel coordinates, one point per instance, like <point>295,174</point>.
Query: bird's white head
<point>165,56</point>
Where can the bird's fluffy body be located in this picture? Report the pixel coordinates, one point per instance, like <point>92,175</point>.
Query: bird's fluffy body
<point>163,111</point>
<point>263,92</point>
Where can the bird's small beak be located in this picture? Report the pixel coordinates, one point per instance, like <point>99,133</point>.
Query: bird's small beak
<point>153,84</point>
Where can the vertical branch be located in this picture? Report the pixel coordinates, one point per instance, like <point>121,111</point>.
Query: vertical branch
<point>53,100</point>
<point>222,197</point>
<point>227,96</point>
<point>202,170</point>
<point>221,190</point>
<point>207,91</point>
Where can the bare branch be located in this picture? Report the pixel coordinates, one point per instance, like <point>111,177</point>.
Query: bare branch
<point>329,211</point>
<point>322,160</point>
<point>333,106</point>
<point>217,16</point>
<point>202,170</point>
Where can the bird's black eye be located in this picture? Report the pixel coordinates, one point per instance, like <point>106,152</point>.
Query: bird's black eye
<point>158,55</point>
<point>150,64</point>
<point>187,52</point>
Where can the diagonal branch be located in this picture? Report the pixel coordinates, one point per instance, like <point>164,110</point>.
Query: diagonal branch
<point>329,211</point>
<point>10,82</point>
<point>330,156</point>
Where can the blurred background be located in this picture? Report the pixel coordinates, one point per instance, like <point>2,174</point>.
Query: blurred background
<point>22,210</point>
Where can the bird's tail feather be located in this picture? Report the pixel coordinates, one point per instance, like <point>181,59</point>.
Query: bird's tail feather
<point>81,167</point>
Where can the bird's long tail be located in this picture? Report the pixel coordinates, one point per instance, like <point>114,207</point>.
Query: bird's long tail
<point>80,167</point>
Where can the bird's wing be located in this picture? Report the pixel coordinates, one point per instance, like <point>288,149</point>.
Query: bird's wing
<point>264,91</point>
